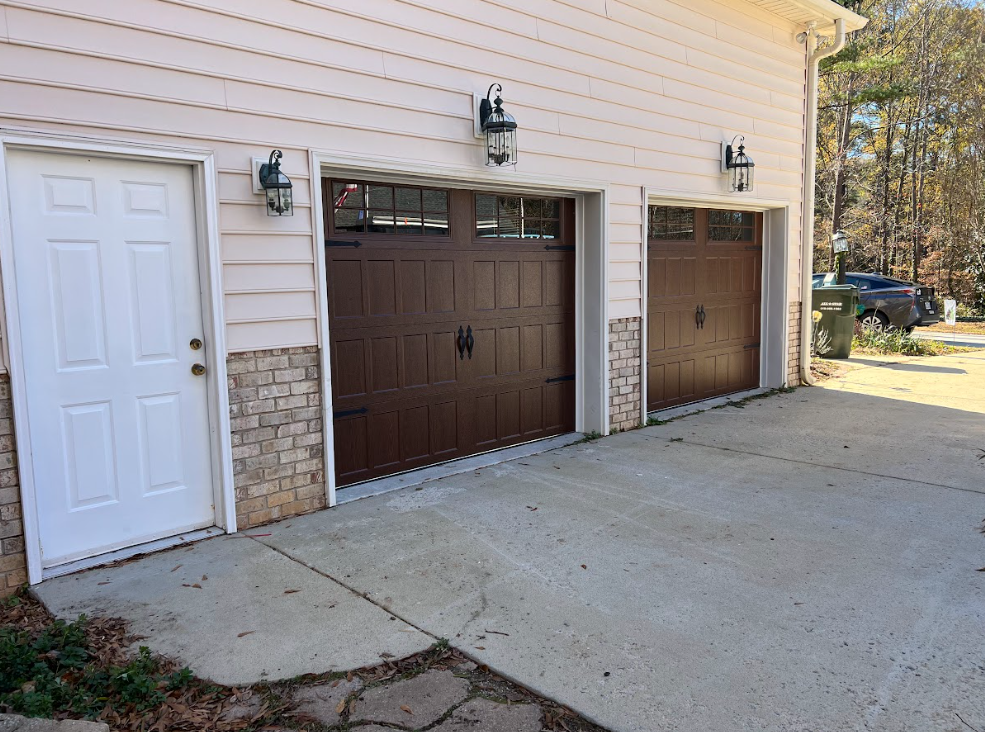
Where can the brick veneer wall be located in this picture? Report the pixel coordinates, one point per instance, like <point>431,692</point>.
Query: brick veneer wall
<point>13,560</point>
<point>625,360</point>
<point>277,436</point>
<point>793,349</point>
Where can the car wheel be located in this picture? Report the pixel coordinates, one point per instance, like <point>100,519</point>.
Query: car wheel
<point>874,320</point>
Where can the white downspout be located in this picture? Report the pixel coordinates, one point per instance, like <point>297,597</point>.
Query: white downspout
<point>810,170</point>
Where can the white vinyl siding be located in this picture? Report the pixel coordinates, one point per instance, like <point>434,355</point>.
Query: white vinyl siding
<point>633,92</point>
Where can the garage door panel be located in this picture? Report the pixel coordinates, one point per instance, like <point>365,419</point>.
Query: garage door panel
<point>403,393</point>
<point>670,329</point>
<point>691,359</point>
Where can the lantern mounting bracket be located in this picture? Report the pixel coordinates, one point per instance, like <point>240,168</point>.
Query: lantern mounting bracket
<point>728,150</point>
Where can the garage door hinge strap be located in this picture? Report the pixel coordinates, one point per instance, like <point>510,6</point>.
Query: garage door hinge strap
<point>569,377</point>
<point>342,243</point>
<point>751,345</point>
<point>560,247</point>
<point>349,412</point>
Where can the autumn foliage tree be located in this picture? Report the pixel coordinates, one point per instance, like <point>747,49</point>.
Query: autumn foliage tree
<point>901,146</point>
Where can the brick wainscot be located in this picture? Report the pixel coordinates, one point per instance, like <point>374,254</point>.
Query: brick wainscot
<point>277,437</point>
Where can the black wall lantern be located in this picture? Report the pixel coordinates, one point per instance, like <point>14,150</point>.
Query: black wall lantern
<point>738,165</point>
<point>276,186</point>
<point>499,128</point>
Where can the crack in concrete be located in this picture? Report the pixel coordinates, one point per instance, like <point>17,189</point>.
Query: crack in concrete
<point>346,586</point>
<point>829,467</point>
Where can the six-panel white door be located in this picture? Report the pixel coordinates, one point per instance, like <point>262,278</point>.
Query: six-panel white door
<point>109,300</point>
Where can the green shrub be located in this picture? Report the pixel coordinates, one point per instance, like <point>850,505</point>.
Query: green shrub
<point>896,341</point>
<point>52,671</point>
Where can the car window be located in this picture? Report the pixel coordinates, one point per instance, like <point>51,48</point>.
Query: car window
<point>860,283</point>
<point>880,284</point>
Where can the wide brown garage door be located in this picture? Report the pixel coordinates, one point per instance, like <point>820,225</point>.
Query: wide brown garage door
<point>451,315</point>
<point>703,304</point>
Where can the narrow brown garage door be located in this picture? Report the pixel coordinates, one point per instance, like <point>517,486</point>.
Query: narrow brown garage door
<point>703,304</point>
<point>451,315</point>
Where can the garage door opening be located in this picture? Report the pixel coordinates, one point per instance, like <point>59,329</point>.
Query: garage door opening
<point>704,303</point>
<point>451,322</point>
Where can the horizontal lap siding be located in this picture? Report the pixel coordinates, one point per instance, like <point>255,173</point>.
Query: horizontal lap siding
<point>632,92</point>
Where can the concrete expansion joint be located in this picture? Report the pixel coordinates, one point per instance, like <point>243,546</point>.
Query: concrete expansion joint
<point>829,467</point>
<point>347,586</point>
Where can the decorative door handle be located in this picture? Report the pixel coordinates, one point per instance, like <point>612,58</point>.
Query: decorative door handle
<point>703,316</point>
<point>461,343</point>
<point>470,342</point>
<point>697,317</point>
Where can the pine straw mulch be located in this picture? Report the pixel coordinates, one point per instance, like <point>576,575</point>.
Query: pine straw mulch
<point>202,706</point>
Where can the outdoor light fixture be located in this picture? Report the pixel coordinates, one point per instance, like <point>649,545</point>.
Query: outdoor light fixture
<point>839,242</point>
<point>276,186</point>
<point>499,129</point>
<point>738,165</point>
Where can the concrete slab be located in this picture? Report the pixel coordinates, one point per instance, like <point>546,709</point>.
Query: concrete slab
<point>762,581</point>
<point>237,612</point>
<point>740,569</point>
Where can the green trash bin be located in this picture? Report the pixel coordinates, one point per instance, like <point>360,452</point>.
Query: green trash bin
<point>833,319</point>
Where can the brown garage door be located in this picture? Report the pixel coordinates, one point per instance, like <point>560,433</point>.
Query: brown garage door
<point>703,304</point>
<point>451,315</point>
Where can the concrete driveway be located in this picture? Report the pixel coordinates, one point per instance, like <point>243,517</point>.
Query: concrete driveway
<point>802,562</point>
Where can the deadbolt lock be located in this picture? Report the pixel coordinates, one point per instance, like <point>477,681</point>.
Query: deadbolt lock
<point>195,344</point>
<point>198,369</point>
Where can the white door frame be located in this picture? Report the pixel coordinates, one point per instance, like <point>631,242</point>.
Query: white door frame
<point>203,167</point>
<point>591,282</point>
<point>775,313</point>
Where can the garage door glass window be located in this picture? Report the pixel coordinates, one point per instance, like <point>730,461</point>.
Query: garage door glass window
<point>516,217</point>
<point>731,226</point>
<point>384,209</point>
<point>669,223</point>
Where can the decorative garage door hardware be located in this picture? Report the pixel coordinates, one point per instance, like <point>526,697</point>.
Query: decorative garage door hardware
<point>349,412</point>
<point>452,328</point>
<point>342,243</point>
<point>703,303</point>
<point>466,342</point>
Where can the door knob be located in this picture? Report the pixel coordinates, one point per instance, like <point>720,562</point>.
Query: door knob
<point>195,344</point>
<point>198,369</point>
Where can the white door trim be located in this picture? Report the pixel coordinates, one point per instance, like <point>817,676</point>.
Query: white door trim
<point>776,264</point>
<point>591,313</point>
<point>203,165</point>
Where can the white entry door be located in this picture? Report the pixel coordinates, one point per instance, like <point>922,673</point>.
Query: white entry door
<point>109,301</point>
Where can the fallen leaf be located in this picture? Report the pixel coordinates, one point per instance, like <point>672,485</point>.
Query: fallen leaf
<point>103,583</point>
<point>340,707</point>
<point>204,577</point>
<point>336,683</point>
<point>584,566</point>
<point>290,592</point>
<point>197,586</point>
<point>497,632</point>
<point>405,708</point>
<point>980,570</point>
<point>245,633</point>
<point>348,676</point>
<point>176,568</point>
<point>480,648</point>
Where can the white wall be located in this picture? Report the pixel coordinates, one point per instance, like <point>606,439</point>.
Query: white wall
<point>634,92</point>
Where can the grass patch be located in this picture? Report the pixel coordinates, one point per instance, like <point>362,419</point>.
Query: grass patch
<point>894,341</point>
